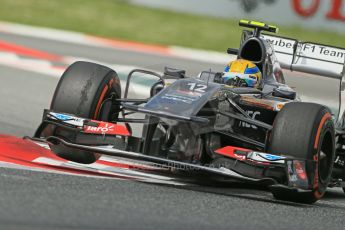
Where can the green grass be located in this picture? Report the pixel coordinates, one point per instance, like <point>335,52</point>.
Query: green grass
<point>118,19</point>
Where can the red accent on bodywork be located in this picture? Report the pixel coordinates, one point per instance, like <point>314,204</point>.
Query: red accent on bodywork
<point>230,151</point>
<point>107,129</point>
<point>21,50</point>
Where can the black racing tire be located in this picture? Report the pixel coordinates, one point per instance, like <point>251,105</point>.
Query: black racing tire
<point>82,89</point>
<point>306,131</point>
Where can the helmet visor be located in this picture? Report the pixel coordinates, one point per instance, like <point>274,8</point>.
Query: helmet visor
<point>239,79</point>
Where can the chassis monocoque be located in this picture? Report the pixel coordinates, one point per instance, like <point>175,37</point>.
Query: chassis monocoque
<point>199,125</point>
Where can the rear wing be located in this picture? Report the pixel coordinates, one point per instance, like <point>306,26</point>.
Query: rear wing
<point>312,58</point>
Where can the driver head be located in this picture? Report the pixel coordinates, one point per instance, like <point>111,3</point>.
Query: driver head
<point>242,73</point>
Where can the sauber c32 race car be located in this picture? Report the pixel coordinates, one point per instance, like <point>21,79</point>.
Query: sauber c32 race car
<point>200,126</point>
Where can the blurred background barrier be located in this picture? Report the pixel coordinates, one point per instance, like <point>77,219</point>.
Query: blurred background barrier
<point>200,24</point>
<point>324,14</point>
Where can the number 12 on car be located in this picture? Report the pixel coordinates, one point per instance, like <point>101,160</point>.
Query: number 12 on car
<point>201,88</point>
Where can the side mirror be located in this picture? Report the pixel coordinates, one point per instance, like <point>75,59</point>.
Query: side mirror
<point>175,73</point>
<point>156,88</point>
<point>232,51</point>
<point>284,92</point>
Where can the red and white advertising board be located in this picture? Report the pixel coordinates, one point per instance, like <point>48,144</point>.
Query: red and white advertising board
<point>316,14</point>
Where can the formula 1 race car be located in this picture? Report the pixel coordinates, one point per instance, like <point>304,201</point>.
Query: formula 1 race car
<point>200,125</point>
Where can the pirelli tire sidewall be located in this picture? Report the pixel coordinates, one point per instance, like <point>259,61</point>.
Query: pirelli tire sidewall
<point>303,130</point>
<point>322,175</point>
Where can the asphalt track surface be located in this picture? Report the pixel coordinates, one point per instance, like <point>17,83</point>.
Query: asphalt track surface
<point>31,199</point>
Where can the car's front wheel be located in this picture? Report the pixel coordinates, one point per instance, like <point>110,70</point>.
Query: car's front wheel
<point>305,131</point>
<point>82,91</point>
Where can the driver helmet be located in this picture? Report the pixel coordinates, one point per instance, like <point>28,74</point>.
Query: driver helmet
<point>242,73</point>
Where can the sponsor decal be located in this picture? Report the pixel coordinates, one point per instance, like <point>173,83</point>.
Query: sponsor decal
<point>62,117</point>
<point>281,44</point>
<point>66,119</point>
<point>253,115</point>
<point>322,52</point>
<point>305,11</point>
<point>239,156</point>
<point>310,10</point>
<point>271,157</point>
<point>284,45</point>
<point>260,157</point>
<point>304,8</point>
<point>316,56</point>
<point>105,128</point>
<point>297,174</point>
<point>179,98</point>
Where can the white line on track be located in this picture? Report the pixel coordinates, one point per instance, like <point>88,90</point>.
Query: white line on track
<point>47,68</point>
<point>34,65</point>
<point>46,33</point>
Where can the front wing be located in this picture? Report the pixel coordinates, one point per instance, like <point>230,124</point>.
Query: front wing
<point>250,166</point>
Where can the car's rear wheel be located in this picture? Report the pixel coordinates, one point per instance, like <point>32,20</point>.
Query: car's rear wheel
<point>305,131</point>
<point>82,91</point>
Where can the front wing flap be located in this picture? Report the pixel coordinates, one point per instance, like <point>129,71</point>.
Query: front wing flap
<point>84,125</point>
<point>294,170</point>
